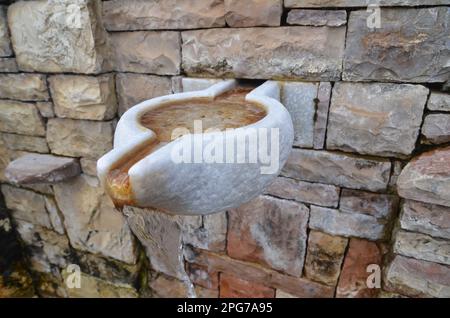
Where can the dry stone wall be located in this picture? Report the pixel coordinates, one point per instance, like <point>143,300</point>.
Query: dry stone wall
<point>366,189</point>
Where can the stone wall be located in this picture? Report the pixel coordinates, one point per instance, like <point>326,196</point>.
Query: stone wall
<point>368,180</point>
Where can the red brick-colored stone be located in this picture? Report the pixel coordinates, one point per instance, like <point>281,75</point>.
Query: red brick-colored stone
<point>234,287</point>
<point>299,287</point>
<point>271,232</point>
<point>352,282</point>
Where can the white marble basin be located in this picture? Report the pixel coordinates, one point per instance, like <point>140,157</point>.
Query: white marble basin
<point>159,180</point>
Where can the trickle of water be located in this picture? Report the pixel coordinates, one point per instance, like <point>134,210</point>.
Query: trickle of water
<point>186,280</point>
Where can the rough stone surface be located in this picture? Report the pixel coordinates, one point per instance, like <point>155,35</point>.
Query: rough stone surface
<point>321,116</point>
<point>336,222</point>
<point>163,14</point>
<point>235,287</point>
<point>202,276</point>
<point>93,287</point>
<point>25,143</point>
<point>91,221</point>
<point>357,3</point>
<point>377,119</point>
<point>20,118</point>
<point>299,100</point>
<point>317,17</point>
<point>46,37</point>
<point>46,109</point>
<point>84,97</point>
<point>5,45</point>
<point>324,257</point>
<point>253,13</point>
<point>399,50</point>
<point>252,235</point>
<point>282,294</point>
<point>26,205</point>
<point>39,168</point>
<point>421,246</point>
<point>439,101</point>
<point>4,159</point>
<point>79,138</point>
<point>374,204</point>
<point>189,84</point>
<point>109,269</point>
<point>436,128</point>
<point>299,287</point>
<point>284,52</point>
<point>48,248</point>
<point>135,88</point>
<point>8,65</point>
<point>167,287</point>
<point>55,215</point>
<point>161,236</point>
<point>426,178</point>
<point>426,218</point>
<point>352,282</point>
<point>25,87</point>
<point>338,169</point>
<point>207,232</point>
<point>89,166</point>
<point>147,52</point>
<point>314,193</point>
<point>414,278</point>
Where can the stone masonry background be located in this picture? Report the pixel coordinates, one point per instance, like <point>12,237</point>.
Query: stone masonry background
<point>368,180</point>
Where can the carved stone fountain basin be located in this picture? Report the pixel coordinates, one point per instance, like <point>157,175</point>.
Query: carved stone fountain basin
<point>198,152</point>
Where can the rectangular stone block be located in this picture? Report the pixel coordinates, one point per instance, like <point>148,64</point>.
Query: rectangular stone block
<point>358,3</point>
<point>313,193</point>
<point>416,278</point>
<point>336,222</point>
<point>421,246</point>
<point>84,97</point>
<point>21,118</point>
<point>426,218</point>
<point>26,205</point>
<point>189,84</point>
<point>252,236</point>
<point>253,13</point>
<point>299,287</point>
<point>374,204</point>
<point>439,101</point>
<point>324,257</point>
<point>355,272</point>
<point>135,88</point>
<point>91,221</point>
<point>5,45</point>
<point>79,138</point>
<point>299,100</point>
<point>337,169</point>
<point>163,14</point>
<point>399,50</point>
<point>331,18</point>
<point>377,119</point>
<point>235,287</point>
<point>25,143</point>
<point>436,129</point>
<point>285,52</point>
<point>147,52</point>
<point>57,37</point>
<point>8,65</point>
<point>24,87</point>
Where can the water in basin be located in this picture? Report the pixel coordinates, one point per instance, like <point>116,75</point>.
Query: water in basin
<point>227,111</point>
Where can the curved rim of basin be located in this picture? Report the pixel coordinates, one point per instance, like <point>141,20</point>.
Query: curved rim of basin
<point>131,135</point>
